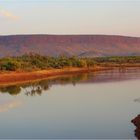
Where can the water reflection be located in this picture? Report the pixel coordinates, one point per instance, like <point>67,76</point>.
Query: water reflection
<point>37,88</point>
<point>12,90</point>
<point>76,106</point>
<point>9,105</point>
<point>137,100</point>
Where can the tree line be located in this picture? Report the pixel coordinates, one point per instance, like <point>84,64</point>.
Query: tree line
<point>30,62</point>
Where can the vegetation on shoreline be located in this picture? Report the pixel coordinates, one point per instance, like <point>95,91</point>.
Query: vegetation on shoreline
<point>32,62</point>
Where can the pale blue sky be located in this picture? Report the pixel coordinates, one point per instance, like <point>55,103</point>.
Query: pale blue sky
<point>119,17</point>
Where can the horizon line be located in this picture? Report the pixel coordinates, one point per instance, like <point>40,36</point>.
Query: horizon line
<point>26,34</point>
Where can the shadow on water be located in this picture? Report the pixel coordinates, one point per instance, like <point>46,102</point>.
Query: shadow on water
<point>37,88</point>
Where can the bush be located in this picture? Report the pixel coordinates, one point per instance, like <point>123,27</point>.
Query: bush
<point>10,65</point>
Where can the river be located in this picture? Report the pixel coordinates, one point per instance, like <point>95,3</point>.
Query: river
<point>97,105</point>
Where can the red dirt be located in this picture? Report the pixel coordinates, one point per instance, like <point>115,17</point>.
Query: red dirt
<point>11,78</point>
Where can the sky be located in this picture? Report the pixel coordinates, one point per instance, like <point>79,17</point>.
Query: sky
<point>112,17</point>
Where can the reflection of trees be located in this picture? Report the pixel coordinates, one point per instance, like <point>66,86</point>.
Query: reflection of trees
<point>33,91</point>
<point>37,88</point>
<point>122,69</point>
<point>12,90</point>
<point>71,79</point>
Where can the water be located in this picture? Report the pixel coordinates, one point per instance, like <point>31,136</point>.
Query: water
<point>97,105</point>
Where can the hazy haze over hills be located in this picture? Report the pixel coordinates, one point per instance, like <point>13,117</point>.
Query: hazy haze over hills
<point>80,45</point>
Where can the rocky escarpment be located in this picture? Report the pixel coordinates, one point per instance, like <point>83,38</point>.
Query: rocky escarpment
<point>136,122</point>
<point>80,45</point>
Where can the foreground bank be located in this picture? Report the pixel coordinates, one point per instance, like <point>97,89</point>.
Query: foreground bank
<point>14,77</point>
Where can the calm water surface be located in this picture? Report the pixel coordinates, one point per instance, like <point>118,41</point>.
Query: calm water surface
<point>94,105</point>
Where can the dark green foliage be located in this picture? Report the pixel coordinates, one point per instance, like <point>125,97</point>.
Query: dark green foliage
<point>9,64</point>
<point>13,90</point>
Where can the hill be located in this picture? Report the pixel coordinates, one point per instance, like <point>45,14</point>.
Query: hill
<point>80,45</point>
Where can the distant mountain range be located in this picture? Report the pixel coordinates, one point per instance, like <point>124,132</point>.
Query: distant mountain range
<point>79,45</point>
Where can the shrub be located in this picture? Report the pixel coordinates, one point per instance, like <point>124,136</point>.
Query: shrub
<point>10,65</point>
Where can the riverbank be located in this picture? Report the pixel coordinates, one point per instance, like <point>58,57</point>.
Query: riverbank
<point>15,77</point>
<point>8,78</point>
